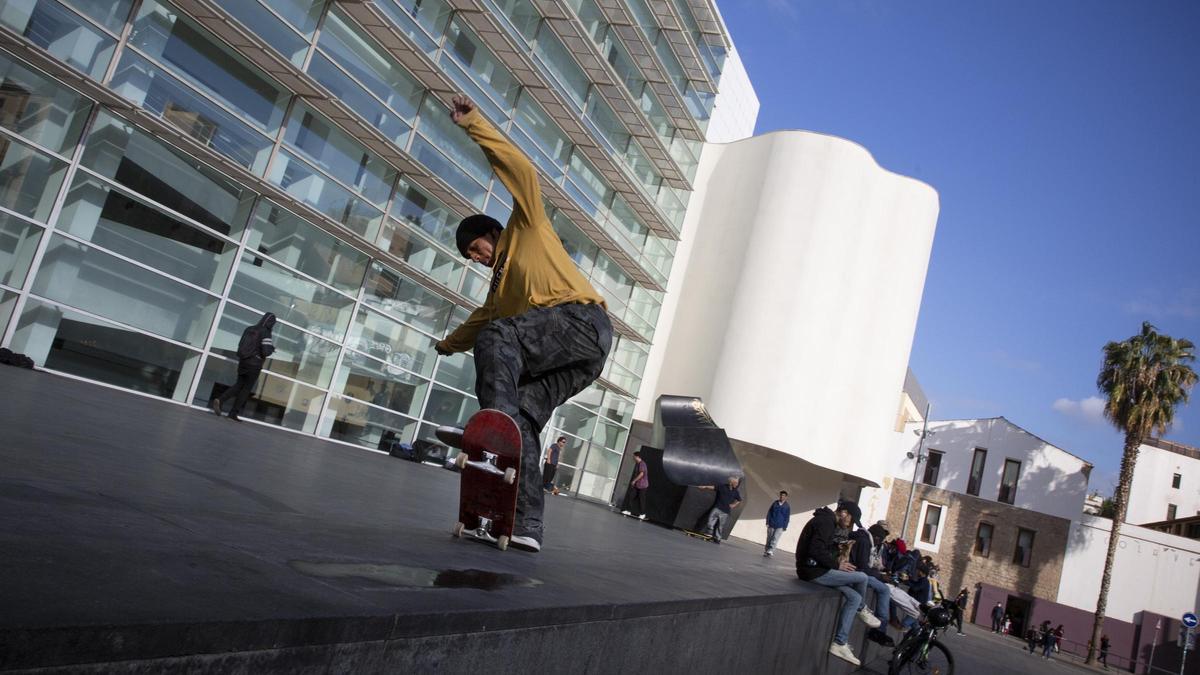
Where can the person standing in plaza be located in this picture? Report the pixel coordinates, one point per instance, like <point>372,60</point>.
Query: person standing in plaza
<point>778,517</point>
<point>255,345</point>
<point>997,618</point>
<point>550,465</point>
<point>1104,645</point>
<point>728,499</point>
<point>639,482</point>
<point>817,561</point>
<point>542,334</point>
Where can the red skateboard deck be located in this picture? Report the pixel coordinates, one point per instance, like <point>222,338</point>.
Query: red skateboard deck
<point>490,463</point>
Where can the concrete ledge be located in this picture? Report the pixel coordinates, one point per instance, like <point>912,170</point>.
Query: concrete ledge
<point>143,536</point>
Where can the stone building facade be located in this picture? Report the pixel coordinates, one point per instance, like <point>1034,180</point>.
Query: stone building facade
<point>958,551</point>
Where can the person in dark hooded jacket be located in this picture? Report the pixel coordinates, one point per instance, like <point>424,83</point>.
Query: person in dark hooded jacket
<point>817,561</point>
<point>253,349</point>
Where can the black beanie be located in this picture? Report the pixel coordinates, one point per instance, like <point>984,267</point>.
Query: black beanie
<point>473,227</point>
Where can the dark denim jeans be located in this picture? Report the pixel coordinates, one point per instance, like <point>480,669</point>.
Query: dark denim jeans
<point>526,366</point>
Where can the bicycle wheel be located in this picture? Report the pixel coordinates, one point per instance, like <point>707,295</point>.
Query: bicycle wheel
<point>935,661</point>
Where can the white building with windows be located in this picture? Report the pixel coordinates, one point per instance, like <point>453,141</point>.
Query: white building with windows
<point>995,460</point>
<point>1166,483</point>
<point>991,502</point>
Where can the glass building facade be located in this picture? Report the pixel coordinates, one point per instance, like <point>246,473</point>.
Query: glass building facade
<point>170,170</point>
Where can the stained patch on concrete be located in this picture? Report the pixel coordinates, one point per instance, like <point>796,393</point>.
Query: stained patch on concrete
<point>405,576</point>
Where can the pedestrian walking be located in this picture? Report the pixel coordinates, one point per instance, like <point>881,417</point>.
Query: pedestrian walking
<point>255,345</point>
<point>1104,644</point>
<point>1047,639</point>
<point>550,465</point>
<point>638,484</point>
<point>778,517</point>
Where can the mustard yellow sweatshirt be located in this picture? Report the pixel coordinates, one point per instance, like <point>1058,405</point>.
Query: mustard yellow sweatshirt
<point>531,268</point>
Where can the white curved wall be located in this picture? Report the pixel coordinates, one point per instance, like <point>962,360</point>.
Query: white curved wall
<point>803,264</point>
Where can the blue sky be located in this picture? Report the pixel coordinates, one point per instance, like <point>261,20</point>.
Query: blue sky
<point>1064,141</point>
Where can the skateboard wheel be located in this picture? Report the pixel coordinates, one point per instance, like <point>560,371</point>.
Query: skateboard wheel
<point>502,542</point>
<point>510,475</point>
<point>458,529</point>
<point>461,461</point>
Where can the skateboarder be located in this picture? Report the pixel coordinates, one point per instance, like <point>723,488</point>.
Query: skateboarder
<point>543,333</point>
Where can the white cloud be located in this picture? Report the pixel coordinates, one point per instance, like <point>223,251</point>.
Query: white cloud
<point>1090,409</point>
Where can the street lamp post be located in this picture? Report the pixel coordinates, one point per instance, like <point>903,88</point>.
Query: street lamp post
<point>912,489</point>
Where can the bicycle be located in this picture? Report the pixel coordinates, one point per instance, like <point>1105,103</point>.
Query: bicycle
<point>919,651</point>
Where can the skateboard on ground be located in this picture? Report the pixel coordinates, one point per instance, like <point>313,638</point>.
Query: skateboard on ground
<point>489,464</point>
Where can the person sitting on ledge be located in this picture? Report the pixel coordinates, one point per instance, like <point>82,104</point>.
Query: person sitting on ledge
<point>817,561</point>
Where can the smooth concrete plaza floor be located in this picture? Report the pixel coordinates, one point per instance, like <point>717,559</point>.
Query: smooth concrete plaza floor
<point>133,528</point>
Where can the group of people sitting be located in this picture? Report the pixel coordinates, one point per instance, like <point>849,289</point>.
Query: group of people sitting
<point>836,551</point>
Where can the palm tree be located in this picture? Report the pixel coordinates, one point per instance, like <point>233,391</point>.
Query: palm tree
<point>1144,379</point>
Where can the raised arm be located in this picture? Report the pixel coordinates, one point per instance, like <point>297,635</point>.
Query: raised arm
<point>510,164</point>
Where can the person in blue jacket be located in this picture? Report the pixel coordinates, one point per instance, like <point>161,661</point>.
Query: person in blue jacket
<point>778,517</point>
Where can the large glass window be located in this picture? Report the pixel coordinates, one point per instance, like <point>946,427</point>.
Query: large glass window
<point>416,208</point>
<point>155,90</point>
<point>274,400</point>
<point>458,371</point>
<point>356,422</point>
<point>295,242</point>
<point>421,253</point>
<point>392,342</point>
<point>978,462</point>
<point>18,243</point>
<point>62,33</point>
<point>192,54</point>
<point>29,179</point>
<point>38,108</point>
<point>1008,481</point>
<point>451,154</point>
<point>158,171</point>
<point>305,183</point>
<point>269,27</point>
<point>370,65</point>
<point>484,69</point>
<point>339,154</point>
<point>88,279</point>
<point>394,294</point>
<point>297,354</point>
<point>422,20</point>
<point>62,339</point>
<point>383,384</point>
<point>127,225</point>
<point>268,287</point>
<point>557,58</point>
<point>447,407</point>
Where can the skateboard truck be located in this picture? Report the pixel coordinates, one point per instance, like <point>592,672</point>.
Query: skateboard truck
<point>483,532</point>
<point>462,461</point>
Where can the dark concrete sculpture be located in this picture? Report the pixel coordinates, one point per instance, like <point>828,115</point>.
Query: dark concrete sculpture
<point>689,449</point>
